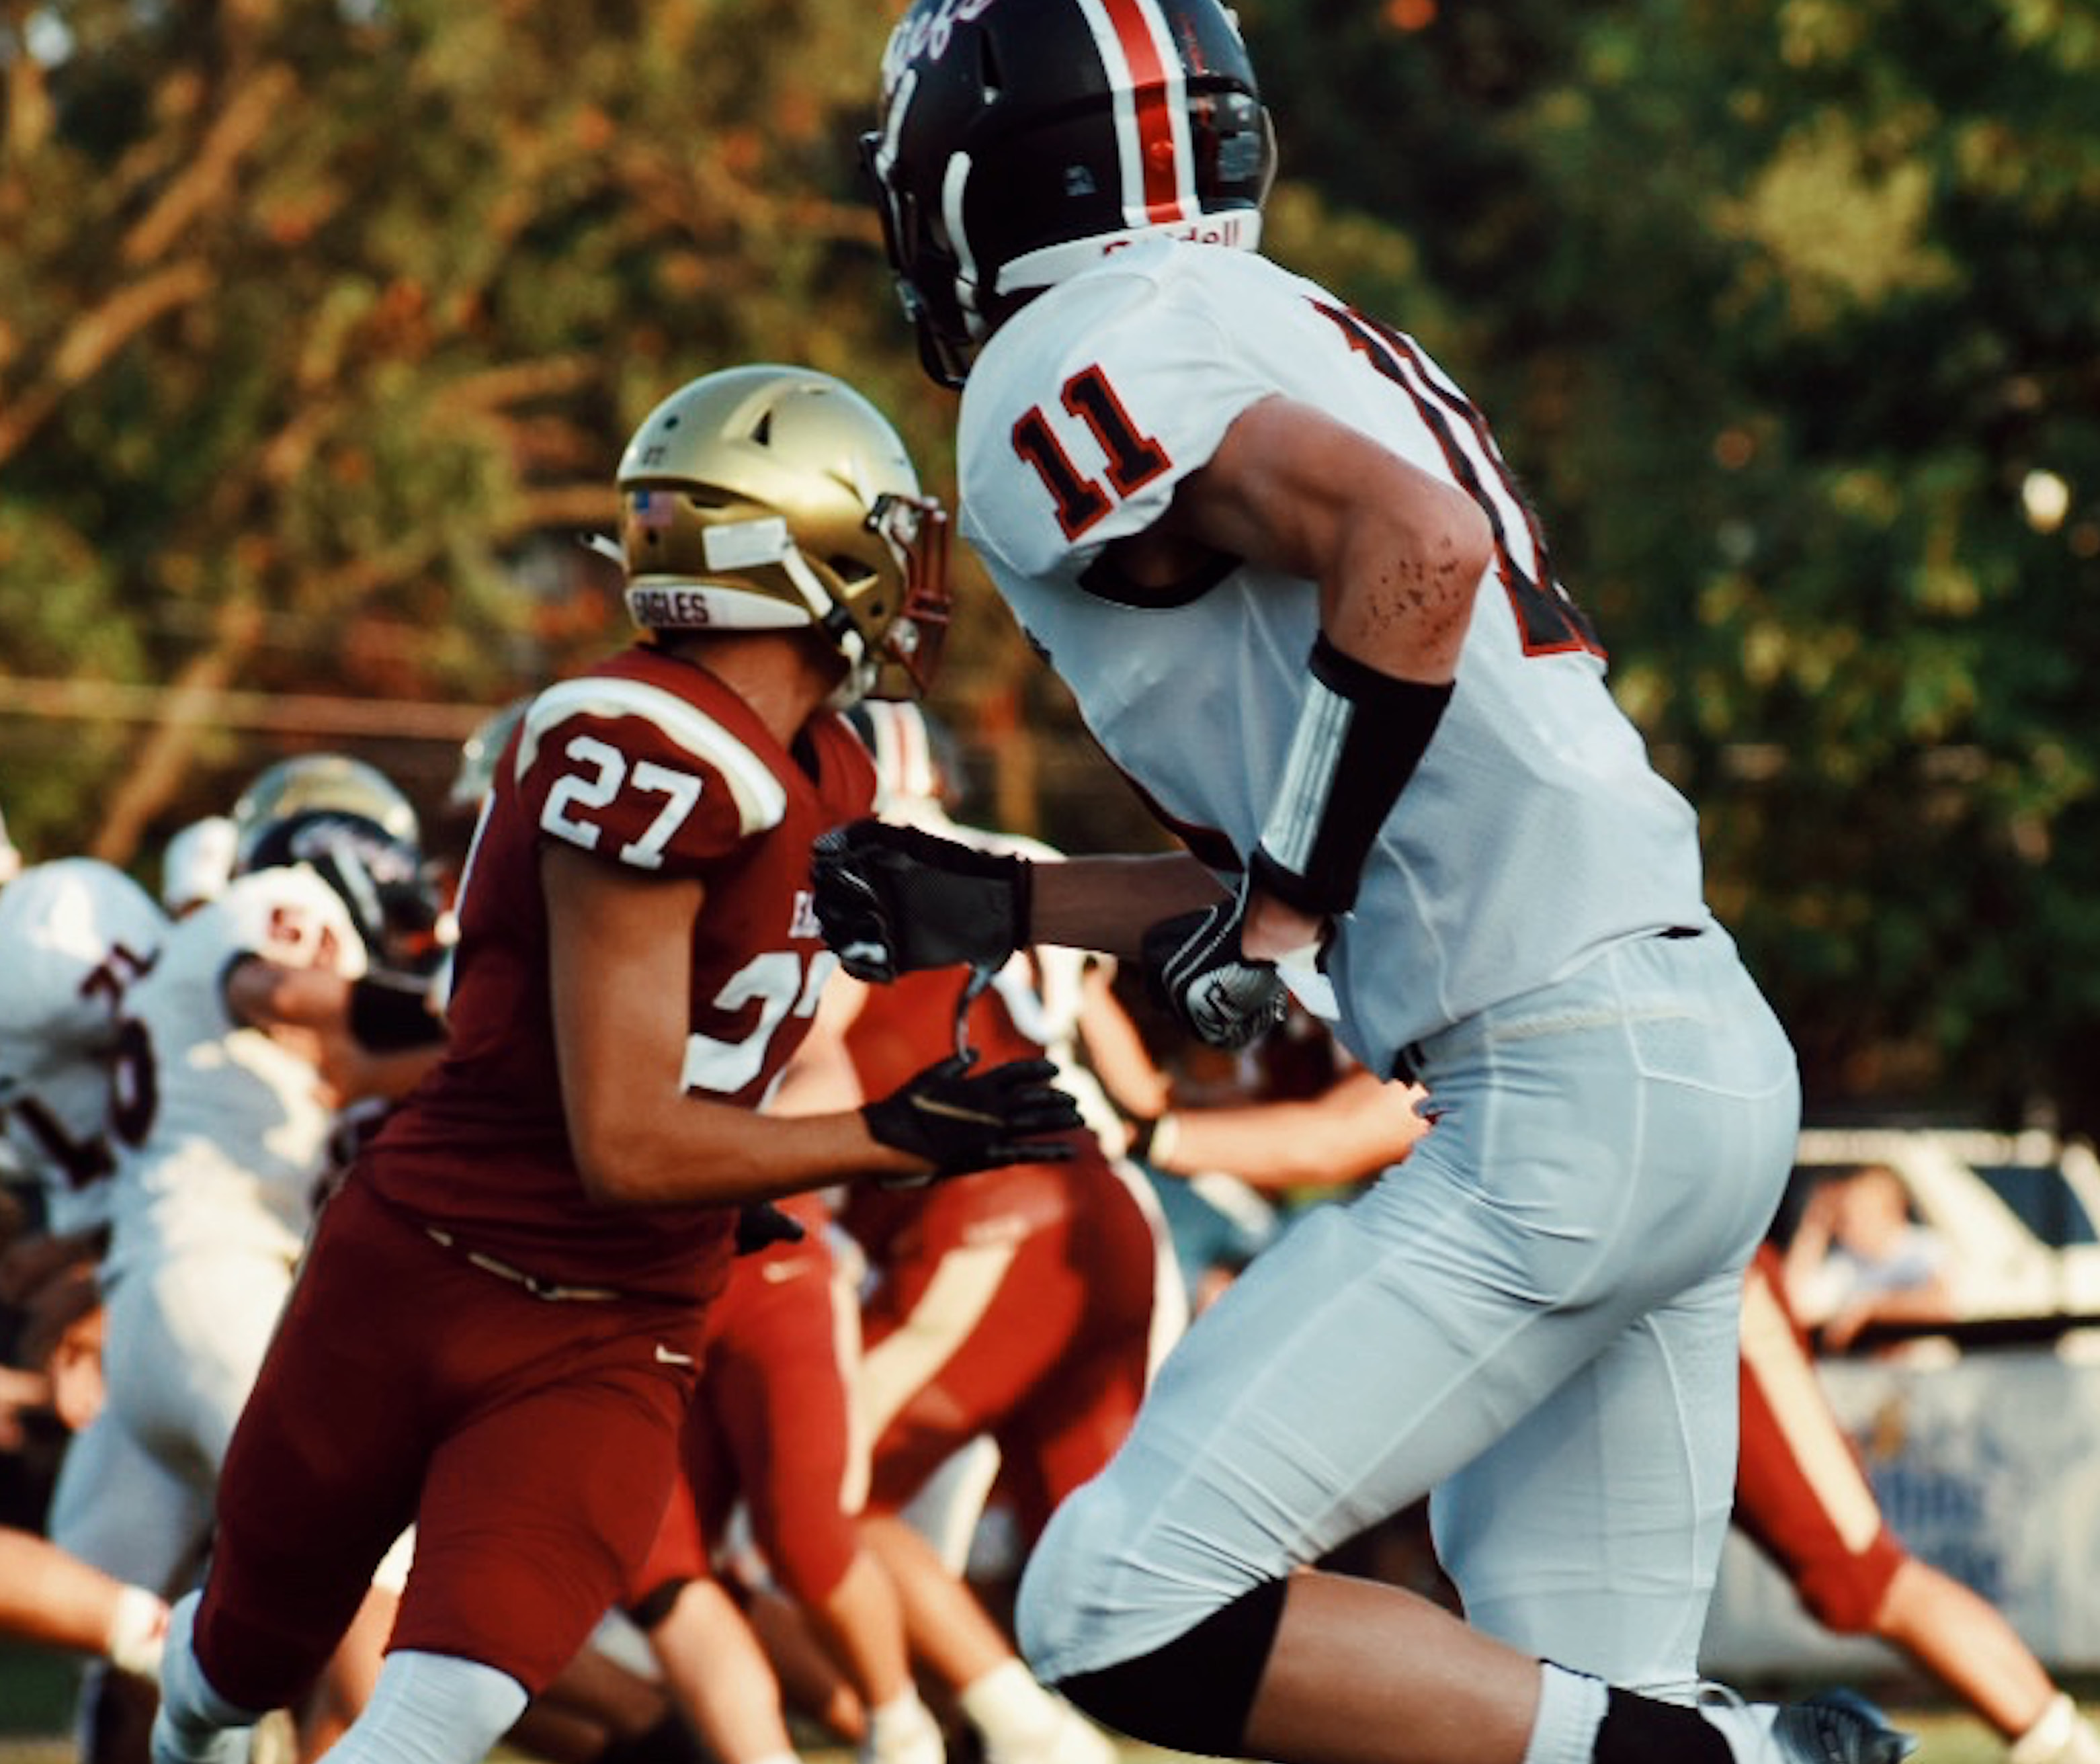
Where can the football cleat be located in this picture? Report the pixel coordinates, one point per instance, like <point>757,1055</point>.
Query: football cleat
<point>1833,1728</point>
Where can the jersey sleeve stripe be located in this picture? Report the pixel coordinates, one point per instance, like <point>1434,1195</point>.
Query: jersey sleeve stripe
<point>761,798</point>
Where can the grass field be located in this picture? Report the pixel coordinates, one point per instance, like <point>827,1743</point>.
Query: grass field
<point>36,1693</point>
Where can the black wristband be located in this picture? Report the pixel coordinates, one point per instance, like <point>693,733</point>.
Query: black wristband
<point>389,1017</point>
<point>1141,1132</point>
<point>1360,734</point>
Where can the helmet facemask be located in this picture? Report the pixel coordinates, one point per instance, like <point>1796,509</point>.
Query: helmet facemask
<point>907,655</point>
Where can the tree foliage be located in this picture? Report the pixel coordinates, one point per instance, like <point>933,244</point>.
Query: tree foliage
<point>1785,311</point>
<point>325,320</point>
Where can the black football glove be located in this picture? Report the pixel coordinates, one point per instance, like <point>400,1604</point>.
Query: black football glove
<point>893,900</point>
<point>1195,969</point>
<point>959,1121</point>
<point>760,1225</point>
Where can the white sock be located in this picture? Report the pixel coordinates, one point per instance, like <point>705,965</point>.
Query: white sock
<point>1008,1706</point>
<point>432,1708</point>
<point>1571,1709</point>
<point>2059,1735</point>
<point>903,1712</point>
<point>904,1729</point>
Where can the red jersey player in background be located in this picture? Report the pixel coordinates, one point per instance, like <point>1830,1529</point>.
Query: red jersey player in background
<point>1027,1306</point>
<point>772,1430</point>
<point>496,1331</point>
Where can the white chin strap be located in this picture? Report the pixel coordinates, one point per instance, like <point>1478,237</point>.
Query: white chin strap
<point>750,545</point>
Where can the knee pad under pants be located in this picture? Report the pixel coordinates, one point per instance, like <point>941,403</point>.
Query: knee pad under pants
<point>1194,1694</point>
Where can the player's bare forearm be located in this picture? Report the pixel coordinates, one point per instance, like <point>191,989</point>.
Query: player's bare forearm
<point>1109,903</point>
<point>267,995</point>
<point>1358,1126</point>
<point>1274,930</point>
<point>698,1153</point>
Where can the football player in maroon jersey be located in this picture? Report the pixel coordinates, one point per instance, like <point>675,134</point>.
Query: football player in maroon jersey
<point>1028,1307</point>
<point>781,1346</point>
<point>497,1328</point>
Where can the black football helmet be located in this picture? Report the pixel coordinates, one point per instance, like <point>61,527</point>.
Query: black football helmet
<point>1021,140</point>
<point>356,829</point>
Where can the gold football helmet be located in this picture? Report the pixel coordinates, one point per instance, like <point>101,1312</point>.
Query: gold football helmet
<point>770,498</point>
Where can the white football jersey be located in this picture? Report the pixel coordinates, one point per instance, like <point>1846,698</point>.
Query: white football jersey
<point>223,1128</point>
<point>1534,831</point>
<point>75,934</point>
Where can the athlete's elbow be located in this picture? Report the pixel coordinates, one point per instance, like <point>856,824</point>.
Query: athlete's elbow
<point>614,1161</point>
<point>1470,540</point>
<point>1452,550</point>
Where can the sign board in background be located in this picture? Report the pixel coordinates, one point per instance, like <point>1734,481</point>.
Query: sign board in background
<point>1987,1465</point>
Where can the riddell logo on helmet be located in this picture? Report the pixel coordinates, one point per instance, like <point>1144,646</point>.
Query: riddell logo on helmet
<point>1205,230</point>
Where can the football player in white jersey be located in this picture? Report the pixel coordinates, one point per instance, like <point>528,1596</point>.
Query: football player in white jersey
<point>75,934</point>
<point>1275,553</point>
<point>231,1064</point>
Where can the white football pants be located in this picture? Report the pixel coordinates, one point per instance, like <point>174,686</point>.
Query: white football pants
<point>1535,1316</point>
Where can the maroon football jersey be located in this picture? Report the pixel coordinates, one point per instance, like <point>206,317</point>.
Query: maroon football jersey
<point>650,762</point>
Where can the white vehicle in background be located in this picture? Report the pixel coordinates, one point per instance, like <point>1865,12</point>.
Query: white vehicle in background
<point>2019,1211</point>
<point>1977,1435</point>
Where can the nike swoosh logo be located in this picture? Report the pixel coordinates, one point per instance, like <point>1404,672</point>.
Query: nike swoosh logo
<point>667,1356</point>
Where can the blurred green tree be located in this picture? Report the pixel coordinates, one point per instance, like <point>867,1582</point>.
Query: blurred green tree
<point>1785,311</point>
<point>326,323</point>
<point>325,320</point>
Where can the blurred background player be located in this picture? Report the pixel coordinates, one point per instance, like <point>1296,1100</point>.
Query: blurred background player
<point>1025,1307</point>
<point>1803,1497</point>
<point>772,1440</point>
<point>55,1600</point>
<point>76,935</point>
<point>198,863</point>
<point>637,961</point>
<point>236,1052</point>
